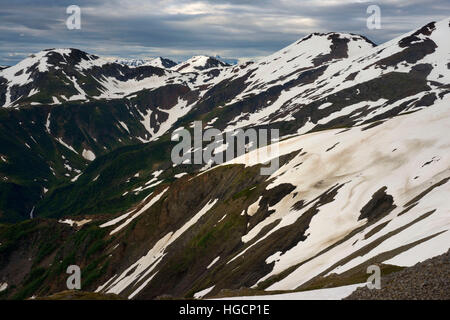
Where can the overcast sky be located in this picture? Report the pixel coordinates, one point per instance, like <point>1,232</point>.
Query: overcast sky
<point>179,29</point>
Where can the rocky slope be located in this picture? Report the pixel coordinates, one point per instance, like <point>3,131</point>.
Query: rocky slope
<point>363,169</point>
<point>426,280</point>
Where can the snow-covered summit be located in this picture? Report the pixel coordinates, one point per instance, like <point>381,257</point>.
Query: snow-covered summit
<point>199,63</point>
<point>161,62</point>
<point>318,48</point>
<point>49,59</point>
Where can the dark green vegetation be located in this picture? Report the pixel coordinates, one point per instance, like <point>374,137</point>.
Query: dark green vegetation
<point>44,249</point>
<point>34,159</point>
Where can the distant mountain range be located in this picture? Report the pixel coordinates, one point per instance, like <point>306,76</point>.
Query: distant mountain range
<point>155,62</point>
<point>201,62</point>
<point>86,175</point>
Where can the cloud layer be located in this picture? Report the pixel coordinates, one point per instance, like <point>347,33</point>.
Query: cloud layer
<point>179,29</point>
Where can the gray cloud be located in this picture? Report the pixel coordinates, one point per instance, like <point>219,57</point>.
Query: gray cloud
<point>180,28</point>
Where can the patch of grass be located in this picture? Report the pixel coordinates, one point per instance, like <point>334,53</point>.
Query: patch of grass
<point>32,283</point>
<point>11,235</point>
<point>47,245</point>
<point>92,272</point>
<point>203,242</point>
<point>244,193</point>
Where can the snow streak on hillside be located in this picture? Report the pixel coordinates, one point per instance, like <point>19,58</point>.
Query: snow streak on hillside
<point>407,157</point>
<point>403,162</point>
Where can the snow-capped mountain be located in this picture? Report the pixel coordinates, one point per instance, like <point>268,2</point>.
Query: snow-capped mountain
<point>199,63</point>
<point>363,174</point>
<point>154,62</point>
<point>325,89</point>
<point>163,63</point>
<point>57,75</point>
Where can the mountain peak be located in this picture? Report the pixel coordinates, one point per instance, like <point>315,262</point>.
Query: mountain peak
<point>335,45</point>
<point>44,60</point>
<point>314,50</point>
<point>161,62</point>
<point>200,63</point>
<point>341,35</point>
